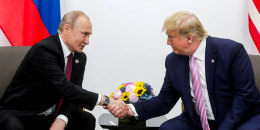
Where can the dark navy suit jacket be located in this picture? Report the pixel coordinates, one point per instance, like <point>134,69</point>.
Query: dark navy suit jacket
<point>230,82</point>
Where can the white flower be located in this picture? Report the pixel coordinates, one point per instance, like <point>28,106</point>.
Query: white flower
<point>133,98</point>
<point>130,88</point>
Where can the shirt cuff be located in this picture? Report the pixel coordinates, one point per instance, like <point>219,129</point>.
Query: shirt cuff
<point>99,98</point>
<point>133,109</point>
<point>64,118</point>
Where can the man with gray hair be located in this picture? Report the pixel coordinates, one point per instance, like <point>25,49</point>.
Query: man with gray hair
<point>212,76</point>
<point>46,91</point>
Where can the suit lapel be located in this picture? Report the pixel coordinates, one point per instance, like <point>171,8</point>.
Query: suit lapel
<point>76,62</point>
<point>62,62</point>
<point>210,63</point>
<point>186,88</point>
<point>75,65</point>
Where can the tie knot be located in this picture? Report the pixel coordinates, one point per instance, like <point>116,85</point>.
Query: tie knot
<point>70,56</point>
<point>193,57</point>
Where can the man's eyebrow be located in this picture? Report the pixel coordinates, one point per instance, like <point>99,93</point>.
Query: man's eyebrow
<point>86,33</point>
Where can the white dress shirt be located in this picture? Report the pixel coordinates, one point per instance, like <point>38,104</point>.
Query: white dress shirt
<point>200,55</point>
<point>66,52</point>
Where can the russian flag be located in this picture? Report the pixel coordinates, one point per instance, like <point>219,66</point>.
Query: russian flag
<point>25,22</point>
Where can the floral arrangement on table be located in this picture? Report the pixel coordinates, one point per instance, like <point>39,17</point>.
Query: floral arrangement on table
<point>132,92</point>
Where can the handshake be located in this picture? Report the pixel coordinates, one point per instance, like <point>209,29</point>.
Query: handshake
<point>119,108</point>
<point>129,92</point>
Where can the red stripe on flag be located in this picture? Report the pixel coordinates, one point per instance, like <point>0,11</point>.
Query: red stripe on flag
<point>254,33</point>
<point>257,4</point>
<point>21,23</point>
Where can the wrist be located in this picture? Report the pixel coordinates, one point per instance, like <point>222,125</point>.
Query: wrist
<point>101,102</point>
<point>130,111</point>
<point>106,101</point>
<point>63,117</point>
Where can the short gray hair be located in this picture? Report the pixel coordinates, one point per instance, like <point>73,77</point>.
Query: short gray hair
<point>70,18</point>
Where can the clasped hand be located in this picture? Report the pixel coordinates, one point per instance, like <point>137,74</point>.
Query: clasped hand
<point>118,108</point>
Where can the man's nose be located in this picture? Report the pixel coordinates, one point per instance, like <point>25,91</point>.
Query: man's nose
<point>86,41</point>
<point>168,42</point>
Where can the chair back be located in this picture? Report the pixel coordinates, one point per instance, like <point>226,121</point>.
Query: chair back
<point>255,59</point>
<point>10,59</point>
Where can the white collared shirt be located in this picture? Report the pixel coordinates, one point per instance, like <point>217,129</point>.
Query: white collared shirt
<point>66,52</point>
<point>200,55</point>
<point>51,110</point>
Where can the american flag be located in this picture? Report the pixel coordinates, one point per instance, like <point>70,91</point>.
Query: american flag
<point>254,21</point>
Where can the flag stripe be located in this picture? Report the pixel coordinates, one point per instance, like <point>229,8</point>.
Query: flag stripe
<point>254,21</point>
<point>257,4</point>
<point>21,22</point>
<point>254,34</point>
<point>8,23</point>
<point>254,15</point>
<point>34,29</point>
<point>50,13</point>
<point>24,25</point>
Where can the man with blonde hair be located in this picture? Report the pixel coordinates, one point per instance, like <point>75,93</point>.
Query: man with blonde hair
<point>46,91</point>
<point>212,76</point>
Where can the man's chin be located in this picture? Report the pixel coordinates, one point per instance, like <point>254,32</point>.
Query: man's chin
<point>79,50</point>
<point>174,51</point>
<point>177,52</point>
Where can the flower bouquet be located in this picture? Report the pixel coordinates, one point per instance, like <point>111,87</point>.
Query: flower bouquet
<point>132,92</point>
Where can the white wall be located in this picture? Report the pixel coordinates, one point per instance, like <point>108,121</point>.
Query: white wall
<point>3,39</point>
<point>127,43</point>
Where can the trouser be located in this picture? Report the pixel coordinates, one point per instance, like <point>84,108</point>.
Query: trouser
<point>79,120</point>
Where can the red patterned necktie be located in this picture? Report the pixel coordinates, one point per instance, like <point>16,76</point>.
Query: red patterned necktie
<point>68,75</point>
<point>197,89</point>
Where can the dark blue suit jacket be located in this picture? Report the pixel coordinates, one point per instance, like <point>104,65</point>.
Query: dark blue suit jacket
<point>230,82</point>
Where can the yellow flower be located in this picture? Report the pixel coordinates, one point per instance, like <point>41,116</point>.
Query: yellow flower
<point>111,95</point>
<point>125,96</point>
<point>139,84</point>
<point>139,91</point>
<point>120,86</point>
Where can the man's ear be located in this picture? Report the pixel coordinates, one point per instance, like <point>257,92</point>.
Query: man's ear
<point>190,38</point>
<point>66,28</point>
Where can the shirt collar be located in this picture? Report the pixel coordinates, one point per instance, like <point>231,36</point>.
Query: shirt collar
<point>200,52</point>
<point>65,49</point>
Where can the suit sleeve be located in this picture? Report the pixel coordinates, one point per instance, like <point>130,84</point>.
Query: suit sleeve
<point>46,62</point>
<point>160,104</point>
<point>242,78</point>
<point>67,106</point>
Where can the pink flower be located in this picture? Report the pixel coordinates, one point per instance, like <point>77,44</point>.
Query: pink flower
<point>130,88</point>
<point>117,94</point>
<point>128,84</point>
<point>133,98</point>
